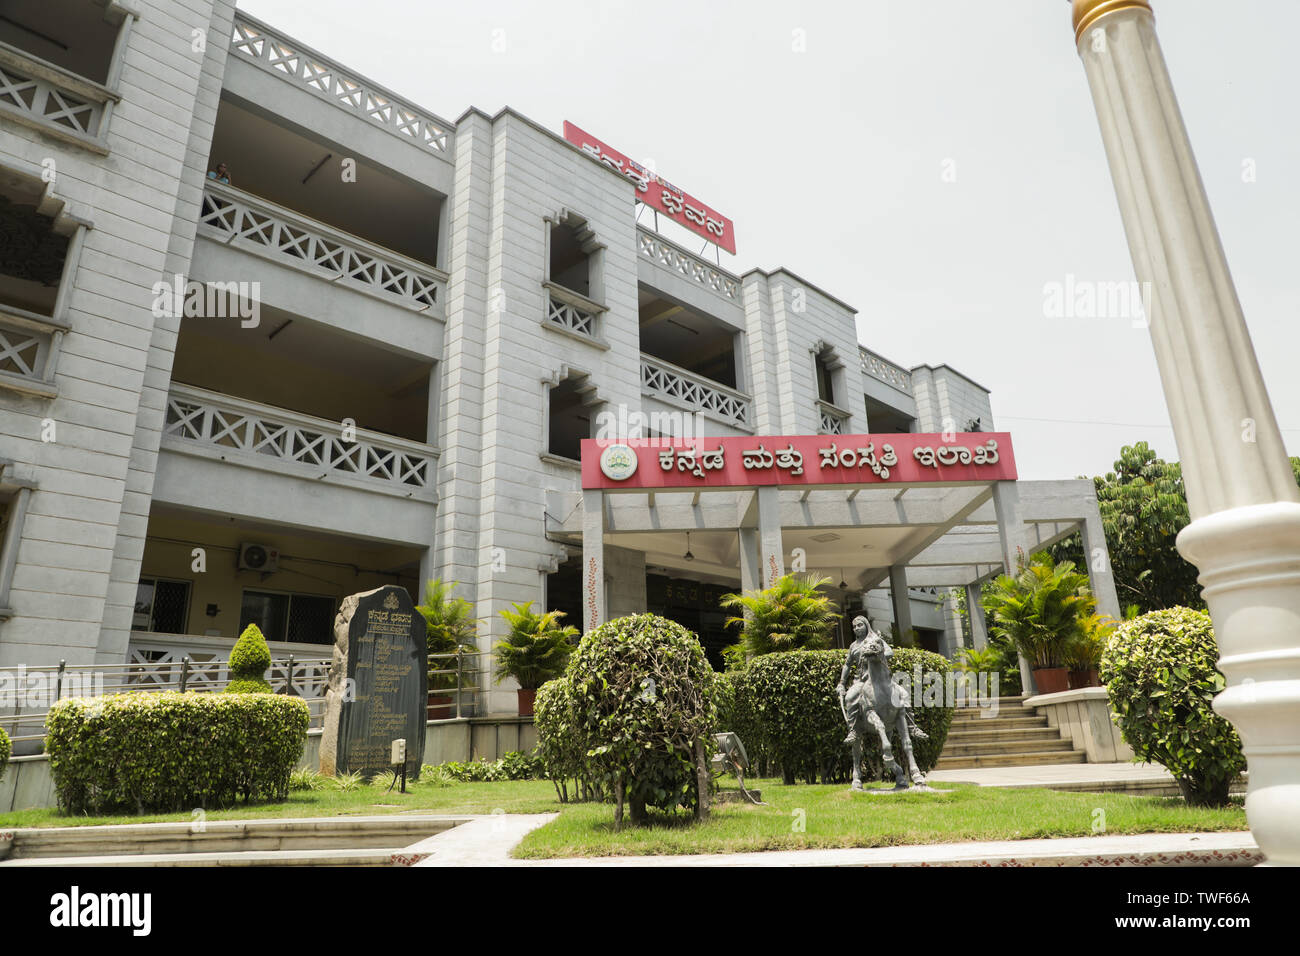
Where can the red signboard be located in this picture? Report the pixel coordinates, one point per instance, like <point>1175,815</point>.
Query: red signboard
<point>796,460</point>
<point>658,193</point>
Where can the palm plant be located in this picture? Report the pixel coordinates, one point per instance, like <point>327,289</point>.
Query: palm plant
<point>449,626</point>
<point>537,647</point>
<point>1040,608</point>
<point>791,615</point>
<point>1083,651</point>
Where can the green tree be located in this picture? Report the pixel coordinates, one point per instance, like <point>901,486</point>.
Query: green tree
<point>791,615</point>
<point>537,647</point>
<point>449,626</point>
<point>1143,506</point>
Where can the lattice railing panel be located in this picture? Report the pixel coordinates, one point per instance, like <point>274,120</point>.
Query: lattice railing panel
<point>885,371</point>
<point>40,98</point>
<point>283,56</point>
<point>685,264</point>
<point>234,216</point>
<point>697,393</point>
<point>323,447</point>
<point>571,317</point>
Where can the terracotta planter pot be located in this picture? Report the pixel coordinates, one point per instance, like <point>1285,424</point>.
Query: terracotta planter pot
<point>1084,678</point>
<point>1051,680</point>
<point>526,700</point>
<point>440,706</point>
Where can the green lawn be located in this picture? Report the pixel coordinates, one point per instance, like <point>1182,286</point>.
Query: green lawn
<point>832,817</point>
<point>799,817</point>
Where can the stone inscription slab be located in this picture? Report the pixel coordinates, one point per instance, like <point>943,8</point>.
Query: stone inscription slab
<point>378,684</point>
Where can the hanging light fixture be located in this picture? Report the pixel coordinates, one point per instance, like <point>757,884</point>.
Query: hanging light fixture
<point>844,585</point>
<point>688,556</point>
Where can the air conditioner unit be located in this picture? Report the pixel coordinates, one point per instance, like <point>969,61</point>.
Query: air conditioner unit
<point>258,557</point>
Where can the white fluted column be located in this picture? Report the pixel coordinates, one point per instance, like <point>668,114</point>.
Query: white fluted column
<point>1245,507</point>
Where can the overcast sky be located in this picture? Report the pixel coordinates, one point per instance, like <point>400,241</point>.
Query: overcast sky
<point>934,163</point>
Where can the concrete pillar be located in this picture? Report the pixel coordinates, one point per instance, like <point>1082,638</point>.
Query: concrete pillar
<point>593,559</point>
<point>1097,558</point>
<point>1245,507</point>
<point>751,574</point>
<point>1006,504</point>
<point>979,631</point>
<point>901,602</point>
<point>771,549</point>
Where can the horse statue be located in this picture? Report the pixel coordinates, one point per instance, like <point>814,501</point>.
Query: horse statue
<point>872,701</point>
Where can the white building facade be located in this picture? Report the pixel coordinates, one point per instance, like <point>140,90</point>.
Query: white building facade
<point>370,357</point>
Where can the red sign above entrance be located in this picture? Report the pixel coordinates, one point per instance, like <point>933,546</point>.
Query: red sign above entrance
<point>797,460</point>
<point>658,193</point>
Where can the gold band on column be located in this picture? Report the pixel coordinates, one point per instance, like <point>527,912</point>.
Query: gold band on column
<point>1088,12</point>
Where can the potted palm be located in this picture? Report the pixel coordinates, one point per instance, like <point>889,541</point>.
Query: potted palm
<point>535,650</point>
<point>1083,651</point>
<point>793,614</point>
<point>450,627</point>
<point>1041,609</point>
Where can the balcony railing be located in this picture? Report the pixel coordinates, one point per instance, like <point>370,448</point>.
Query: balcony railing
<point>674,257</point>
<point>664,380</point>
<point>885,371</point>
<point>296,441</point>
<point>52,98</point>
<point>831,420</point>
<point>321,76</point>
<point>239,218</point>
<point>571,312</point>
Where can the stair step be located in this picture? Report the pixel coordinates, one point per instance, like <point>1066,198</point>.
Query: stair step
<point>997,723</point>
<point>994,748</point>
<point>1011,760</point>
<point>988,713</point>
<point>1006,734</point>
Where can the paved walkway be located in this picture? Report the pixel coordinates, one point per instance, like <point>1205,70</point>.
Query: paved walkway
<point>1069,776</point>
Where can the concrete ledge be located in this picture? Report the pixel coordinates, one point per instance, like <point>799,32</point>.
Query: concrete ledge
<point>1083,717</point>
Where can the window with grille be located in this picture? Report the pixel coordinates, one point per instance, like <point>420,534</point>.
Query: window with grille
<point>161,606</point>
<point>299,618</point>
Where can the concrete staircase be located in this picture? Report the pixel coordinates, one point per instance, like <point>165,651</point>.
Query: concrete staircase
<point>1013,737</point>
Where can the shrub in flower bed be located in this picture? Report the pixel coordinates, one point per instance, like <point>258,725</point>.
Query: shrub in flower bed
<point>514,765</point>
<point>5,749</point>
<point>165,752</point>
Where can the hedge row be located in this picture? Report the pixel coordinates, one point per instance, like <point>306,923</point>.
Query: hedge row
<point>785,710</point>
<point>169,751</point>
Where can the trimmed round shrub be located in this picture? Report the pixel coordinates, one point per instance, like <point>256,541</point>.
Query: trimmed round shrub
<point>643,701</point>
<point>802,726</point>
<point>166,752</point>
<point>1160,671</point>
<point>5,750</point>
<point>248,663</point>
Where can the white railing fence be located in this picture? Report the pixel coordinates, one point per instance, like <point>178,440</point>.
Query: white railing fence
<point>660,378</point>
<point>278,54</point>
<point>691,266</point>
<point>885,371</point>
<point>50,94</point>
<point>223,421</point>
<point>232,215</point>
<point>831,420</point>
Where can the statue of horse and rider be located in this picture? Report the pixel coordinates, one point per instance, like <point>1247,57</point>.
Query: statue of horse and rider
<point>874,704</point>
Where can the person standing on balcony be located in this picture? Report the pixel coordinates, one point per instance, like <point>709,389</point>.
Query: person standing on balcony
<point>221,174</point>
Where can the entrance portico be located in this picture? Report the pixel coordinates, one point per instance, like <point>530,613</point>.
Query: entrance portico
<point>901,510</point>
